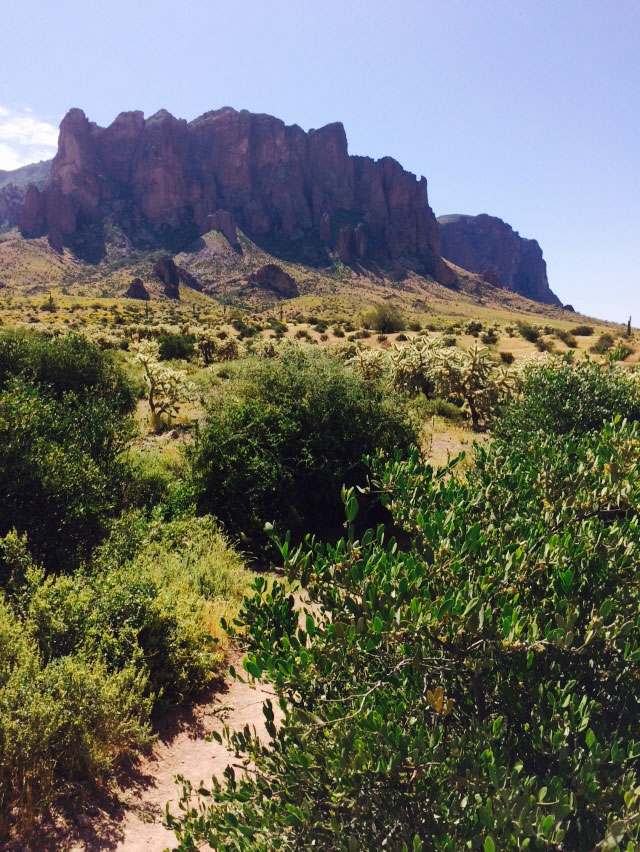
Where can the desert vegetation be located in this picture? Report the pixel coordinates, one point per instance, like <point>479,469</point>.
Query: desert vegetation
<point>463,670</point>
<point>475,686</point>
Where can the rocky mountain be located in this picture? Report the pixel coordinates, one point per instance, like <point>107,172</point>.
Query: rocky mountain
<point>490,247</point>
<point>13,186</point>
<point>163,182</point>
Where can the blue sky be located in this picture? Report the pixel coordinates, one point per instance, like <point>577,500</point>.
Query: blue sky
<point>524,109</point>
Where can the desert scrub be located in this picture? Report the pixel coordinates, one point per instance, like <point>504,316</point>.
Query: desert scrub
<point>478,688</point>
<point>70,719</point>
<point>85,658</point>
<point>562,397</point>
<point>278,443</point>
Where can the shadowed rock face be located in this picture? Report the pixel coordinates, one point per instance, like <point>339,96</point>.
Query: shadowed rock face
<point>166,270</point>
<point>137,290</point>
<point>490,247</point>
<point>165,181</point>
<point>272,277</point>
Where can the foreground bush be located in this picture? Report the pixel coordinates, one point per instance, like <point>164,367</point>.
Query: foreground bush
<point>278,443</point>
<point>480,690</point>
<point>63,366</point>
<point>85,659</point>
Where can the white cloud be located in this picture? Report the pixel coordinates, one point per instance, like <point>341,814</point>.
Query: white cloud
<point>24,138</point>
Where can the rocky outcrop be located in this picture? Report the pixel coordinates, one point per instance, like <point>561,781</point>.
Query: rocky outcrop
<point>166,270</point>
<point>273,277</point>
<point>137,290</point>
<point>13,188</point>
<point>490,247</point>
<point>188,279</point>
<point>165,182</point>
<point>11,201</point>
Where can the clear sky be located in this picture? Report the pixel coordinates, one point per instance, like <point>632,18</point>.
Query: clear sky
<point>525,109</point>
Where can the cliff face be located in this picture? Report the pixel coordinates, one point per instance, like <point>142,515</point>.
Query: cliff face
<point>490,247</point>
<point>13,185</point>
<point>164,182</point>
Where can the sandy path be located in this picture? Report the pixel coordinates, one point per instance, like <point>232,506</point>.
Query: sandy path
<point>132,820</point>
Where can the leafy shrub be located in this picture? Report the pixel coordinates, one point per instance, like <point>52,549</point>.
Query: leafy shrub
<point>543,345</point>
<point>68,720</point>
<point>442,408</point>
<point>603,344</point>
<point>582,330</point>
<point>560,397</point>
<point>489,337</point>
<point>473,328</point>
<point>507,358</point>
<point>279,445</point>
<point>384,318</point>
<point>62,365</point>
<point>176,346</point>
<point>84,659</point>
<point>61,478</point>
<point>478,690</point>
<point>528,331</point>
<point>566,337</point>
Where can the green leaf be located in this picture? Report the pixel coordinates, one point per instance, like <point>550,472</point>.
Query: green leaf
<point>489,845</point>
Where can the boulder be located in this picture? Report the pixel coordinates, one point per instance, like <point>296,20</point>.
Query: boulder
<point>272,277</point>
<point>137,290</point>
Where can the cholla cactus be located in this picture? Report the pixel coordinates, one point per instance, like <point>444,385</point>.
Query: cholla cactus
<point>211,348</point>
<point>413,365</point>
<point>166,387</point>
<point>369,363</point>
<point>471,377</point>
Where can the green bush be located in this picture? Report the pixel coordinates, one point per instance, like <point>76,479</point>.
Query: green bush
<point>442,408</point>
<point>528,331</point>
<point>384,318</point>
<point>582,330</point>
<point>566,337</point>
<point>86,658</point>
<point>176,346</point>
<point>562,397</point>
<point>278,445</point>
<point>507,358</point>
<point>473,328</point>
<point>490,337</point>
<point>69,720</point>
<point>479,689</point>
<point>60,471</point>
<point>60,366</point>
<point>603,344</point>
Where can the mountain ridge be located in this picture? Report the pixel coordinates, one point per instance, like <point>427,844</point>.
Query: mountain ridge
<point>298,193</point>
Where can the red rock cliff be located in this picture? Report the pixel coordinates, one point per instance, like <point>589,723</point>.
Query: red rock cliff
<point>490,247</point>
<point>164,181</point>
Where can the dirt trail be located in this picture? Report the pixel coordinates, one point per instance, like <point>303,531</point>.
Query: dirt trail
<point>132,821</point>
